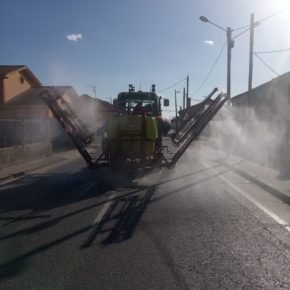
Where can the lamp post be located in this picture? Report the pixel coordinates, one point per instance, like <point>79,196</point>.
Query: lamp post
<point>230,45</point>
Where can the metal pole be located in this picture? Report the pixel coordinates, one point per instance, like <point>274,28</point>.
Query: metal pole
<point>183,98</point>
<point>187,88</point>
<point>175,107</point>
<point>251,53</point>
<point>230,46</point>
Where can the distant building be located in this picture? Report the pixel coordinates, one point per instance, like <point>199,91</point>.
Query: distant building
<point>14,80</point>
<point>20,94</point>
<point>16,84</point>
<point>97,109</point>
<point>270,101</point>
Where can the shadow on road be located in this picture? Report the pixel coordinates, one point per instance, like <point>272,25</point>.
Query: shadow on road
<point>122,218</point>
<point>118,224</point>
<point>37,193</point>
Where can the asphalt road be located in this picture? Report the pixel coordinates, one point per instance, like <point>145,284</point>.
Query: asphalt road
<point>197,226</point>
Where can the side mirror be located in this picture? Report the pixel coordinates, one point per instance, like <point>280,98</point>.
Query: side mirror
<point>166,102</point>
<point>115,102</point>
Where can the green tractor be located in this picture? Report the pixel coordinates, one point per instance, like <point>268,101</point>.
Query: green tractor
<point>135,132</point>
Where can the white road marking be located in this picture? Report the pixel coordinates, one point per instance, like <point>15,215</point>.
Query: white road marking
<point>97,221</point>
<point>255,202</point>
<point>104,209</point>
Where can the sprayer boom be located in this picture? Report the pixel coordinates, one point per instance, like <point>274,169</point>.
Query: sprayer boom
<point>68,120</point>
<point>135,138</point>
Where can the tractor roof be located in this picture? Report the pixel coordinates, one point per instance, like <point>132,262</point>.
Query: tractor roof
<point>137,95</point>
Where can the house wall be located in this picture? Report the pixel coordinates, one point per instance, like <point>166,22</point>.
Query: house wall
<point>23,140</point>
<point>24,112</point>
<point>269,101</point>
<point>257,126</point>
<point>13,86</point>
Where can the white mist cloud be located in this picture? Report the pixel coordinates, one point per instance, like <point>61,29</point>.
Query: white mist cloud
<point>208,42</point>
<point>74,37</point>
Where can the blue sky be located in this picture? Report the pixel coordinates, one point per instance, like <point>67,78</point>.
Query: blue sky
<point>140,42</point>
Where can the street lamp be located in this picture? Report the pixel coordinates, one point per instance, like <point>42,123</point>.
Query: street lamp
<point>230,45</point>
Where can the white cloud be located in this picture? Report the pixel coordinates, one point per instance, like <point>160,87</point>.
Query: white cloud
<point>208,42</point>
<point>74,37</point>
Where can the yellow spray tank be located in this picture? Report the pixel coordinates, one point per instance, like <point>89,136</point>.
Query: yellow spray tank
<point>132,136</point>
<point>135,132</point>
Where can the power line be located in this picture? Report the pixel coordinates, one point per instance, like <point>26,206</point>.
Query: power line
<point>271,69</point>
<point>272,15</point>
<point>241,33</point>
<point>242,27</point>
<point>258,22</point>
<point>175,84</point>
<point>272,51</point>
<point>255,25</point>
<point>210,71</point>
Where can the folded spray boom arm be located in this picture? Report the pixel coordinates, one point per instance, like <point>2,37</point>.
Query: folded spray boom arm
<point>69,121</point>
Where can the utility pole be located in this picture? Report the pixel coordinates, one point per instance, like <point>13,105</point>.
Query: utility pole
<point>175,107</point>
<point>251,54</point>
<point>94,89</point>
<point>187,88</point>
<point>183,98</point>
<point>230,43</point>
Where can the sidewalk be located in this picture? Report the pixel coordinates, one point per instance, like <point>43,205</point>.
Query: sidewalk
<point>268,178</point>
<point>22,169</point>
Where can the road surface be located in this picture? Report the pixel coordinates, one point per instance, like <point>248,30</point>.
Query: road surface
<point>197,226</point>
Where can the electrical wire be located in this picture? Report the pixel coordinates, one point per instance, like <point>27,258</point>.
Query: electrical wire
<point>260,20</point>
<point>272,51</point>
<point>242,27</point>
<point>210,71</point>
<point>271,69</point>
<point>272,15</point>
<point>172,86</point>
<point>240,33</point>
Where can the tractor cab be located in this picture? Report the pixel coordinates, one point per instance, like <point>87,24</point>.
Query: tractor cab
<point>139,103</point>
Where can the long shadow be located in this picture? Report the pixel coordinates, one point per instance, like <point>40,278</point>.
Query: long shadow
<point>187,186</point>
<point>123,217</point>
<point>14,266</point>
<point>42,192</point>
<point>123,230</point>
<point>186,175</point>
<point>129,218</point>
<point>52,222</point>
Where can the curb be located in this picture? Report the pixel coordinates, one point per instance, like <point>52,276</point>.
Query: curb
<point>271,188</point>
<point>12,176</point>
<point>21,173</point>
<point>264,184</point>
